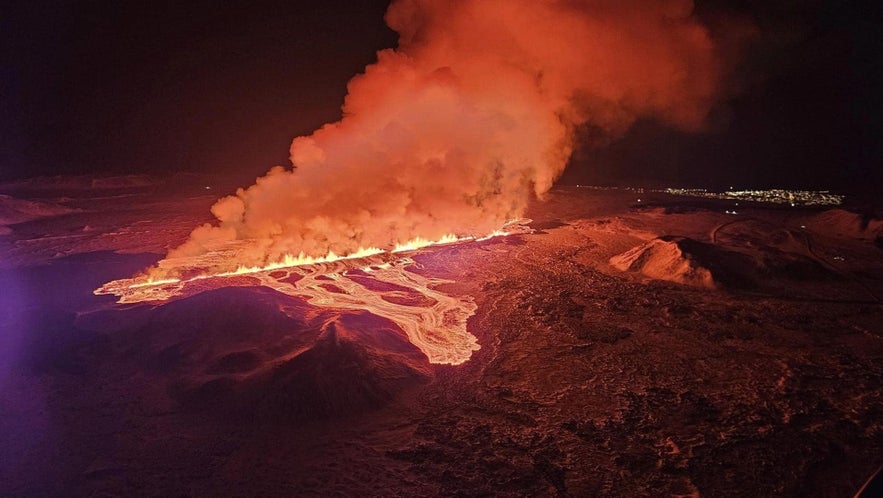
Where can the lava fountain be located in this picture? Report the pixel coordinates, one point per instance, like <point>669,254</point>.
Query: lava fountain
<point>452,132</point>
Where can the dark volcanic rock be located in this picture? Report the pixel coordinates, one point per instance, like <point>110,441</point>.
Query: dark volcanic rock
<point>587,383</point>
<point>353,366</point>
<point>265,355</point>
<point>238,362</point>
<point>195,333</point>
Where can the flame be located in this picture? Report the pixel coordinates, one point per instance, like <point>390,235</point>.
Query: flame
<point>420,242</point>
<point>437,325</point>
<point>289,261</point>
<point>150,282</point>
<point>118,287</point>
<point>148,288</point>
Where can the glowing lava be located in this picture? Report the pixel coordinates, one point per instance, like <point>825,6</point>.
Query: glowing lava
<point>380,282</point>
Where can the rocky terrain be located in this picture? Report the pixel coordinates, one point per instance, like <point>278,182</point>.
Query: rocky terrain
<point>655,348</point>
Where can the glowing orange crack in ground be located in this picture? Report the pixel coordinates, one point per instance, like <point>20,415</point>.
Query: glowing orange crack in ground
<point>436,325</point>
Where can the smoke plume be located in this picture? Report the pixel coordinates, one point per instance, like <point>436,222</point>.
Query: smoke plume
<point>469,117</point>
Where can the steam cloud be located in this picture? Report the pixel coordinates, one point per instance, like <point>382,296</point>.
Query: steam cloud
<point>472,115</point>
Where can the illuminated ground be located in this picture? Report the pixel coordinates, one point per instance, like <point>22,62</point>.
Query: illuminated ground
<point>762,378</point>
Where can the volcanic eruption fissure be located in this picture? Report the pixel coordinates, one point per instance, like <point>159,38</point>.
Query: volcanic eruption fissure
<point>450,134</point>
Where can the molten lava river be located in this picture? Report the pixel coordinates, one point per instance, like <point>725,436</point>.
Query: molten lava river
<point>388,284</point>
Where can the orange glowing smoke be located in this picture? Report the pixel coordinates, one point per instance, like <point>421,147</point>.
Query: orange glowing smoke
<point>454,131</point>
<point>447,137</point>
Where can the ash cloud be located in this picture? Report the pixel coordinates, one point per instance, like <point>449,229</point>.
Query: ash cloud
<point>472,115</point>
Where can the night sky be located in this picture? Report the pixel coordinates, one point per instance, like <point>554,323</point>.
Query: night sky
<point>154,87</point>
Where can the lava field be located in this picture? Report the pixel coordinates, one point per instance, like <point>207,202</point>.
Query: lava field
<point>619,348</point>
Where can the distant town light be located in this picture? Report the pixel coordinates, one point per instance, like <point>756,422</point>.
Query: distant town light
<point>774,196</point>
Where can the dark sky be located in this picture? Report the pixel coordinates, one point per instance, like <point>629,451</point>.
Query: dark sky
<point>807,110</point>
<point>131,87</point>
<point>127,86</point>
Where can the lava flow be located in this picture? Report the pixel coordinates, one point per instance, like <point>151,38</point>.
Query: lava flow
<point>378,281</point>
<point>455,130</point>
